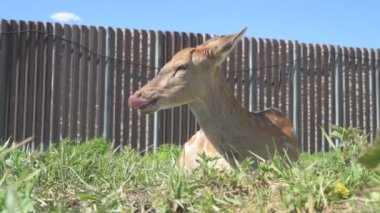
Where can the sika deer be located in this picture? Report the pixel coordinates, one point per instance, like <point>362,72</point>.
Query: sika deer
<point>193,77</point>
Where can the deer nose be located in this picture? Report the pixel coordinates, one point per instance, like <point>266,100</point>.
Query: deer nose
<point>137,94</point>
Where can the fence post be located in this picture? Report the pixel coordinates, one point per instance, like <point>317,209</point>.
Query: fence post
<point>108,88</point>
<point>56,86</point>
<point>250,72</point>
<point>253,74</point>
<point>345,79</point>
<point>3,77</point>
<point>339,89</point>
<point>157,118</point>
<point>297,93</point>
<point>378,88</point>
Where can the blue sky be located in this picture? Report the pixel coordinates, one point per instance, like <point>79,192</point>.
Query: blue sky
<point>342,22</point>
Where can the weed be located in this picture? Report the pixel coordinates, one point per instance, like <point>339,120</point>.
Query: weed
<point>92,177</point>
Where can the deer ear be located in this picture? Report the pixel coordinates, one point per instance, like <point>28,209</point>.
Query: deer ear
<point>219,48</point>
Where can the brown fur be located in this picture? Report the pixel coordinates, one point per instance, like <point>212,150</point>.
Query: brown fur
<point>199,143</point>
<point>228,130</point>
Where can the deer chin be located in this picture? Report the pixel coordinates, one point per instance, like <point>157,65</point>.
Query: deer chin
<point>151,107</point>
<point>157,104</point>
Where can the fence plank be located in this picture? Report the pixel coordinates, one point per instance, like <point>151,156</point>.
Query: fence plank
<point>305,99</point>
<point>100,76</point>
<point>4,76</point>
<point>290,80</point>
<point>276,74</point>
<point>143,81</point>
<point>253,75</point>
<point>20,82</point>
<point>354,68</point>
<point>74,78</point>
<point>12,115</point>
<point>127,86</point>
<point>38,81</point>
<point>312,99</point>
<point>339,94</point>
<point>56,85</point>
<point>346,86</point>
<point>65,83</point>
<point>367,94</point>
<point>31,86</point>
<point>283,68</point>
<point>359,93</point>
<point>318,105</point>
<point>109,84</point>
<point>268,73</point>
<point>261,74</point>
<point>48,74</point>
<point>135,84</point>
<point>83,81</point>
<point>333,62</point>
<point>92,80</point>
<point>297,93</point>
<point>374,92</point>
<point>117,89</point>
<point>378,88</point>
<point>326,112</point>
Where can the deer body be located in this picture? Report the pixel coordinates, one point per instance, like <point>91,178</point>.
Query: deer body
<point>198,144</point>
<point>193,77</point>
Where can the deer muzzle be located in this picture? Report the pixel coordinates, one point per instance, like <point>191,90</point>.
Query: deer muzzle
<point>139,102</point>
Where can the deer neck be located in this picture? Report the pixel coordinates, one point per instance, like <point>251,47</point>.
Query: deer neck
<point>218,104</point>
<point>220,115</point>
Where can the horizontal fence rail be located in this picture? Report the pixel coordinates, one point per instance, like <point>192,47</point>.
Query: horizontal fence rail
<point>63,81</point>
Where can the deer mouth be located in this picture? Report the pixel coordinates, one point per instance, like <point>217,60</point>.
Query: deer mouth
<point>142,103</point>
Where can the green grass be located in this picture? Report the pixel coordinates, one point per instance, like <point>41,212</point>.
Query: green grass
<point>90,177</point>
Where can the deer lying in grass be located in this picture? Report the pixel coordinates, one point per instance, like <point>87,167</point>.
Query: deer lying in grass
<point>193,77</point>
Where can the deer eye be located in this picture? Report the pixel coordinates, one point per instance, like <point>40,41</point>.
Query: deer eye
<point>182,67</point>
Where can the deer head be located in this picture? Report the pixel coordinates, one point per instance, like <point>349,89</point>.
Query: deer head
<point>186,77</point>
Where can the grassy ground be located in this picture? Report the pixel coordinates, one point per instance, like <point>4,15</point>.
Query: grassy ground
<point>90,177</point>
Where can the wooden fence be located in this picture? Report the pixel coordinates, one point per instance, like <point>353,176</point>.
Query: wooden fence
<point>61,81</point>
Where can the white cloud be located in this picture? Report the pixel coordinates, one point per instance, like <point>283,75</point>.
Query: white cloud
<point>65,17</point>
